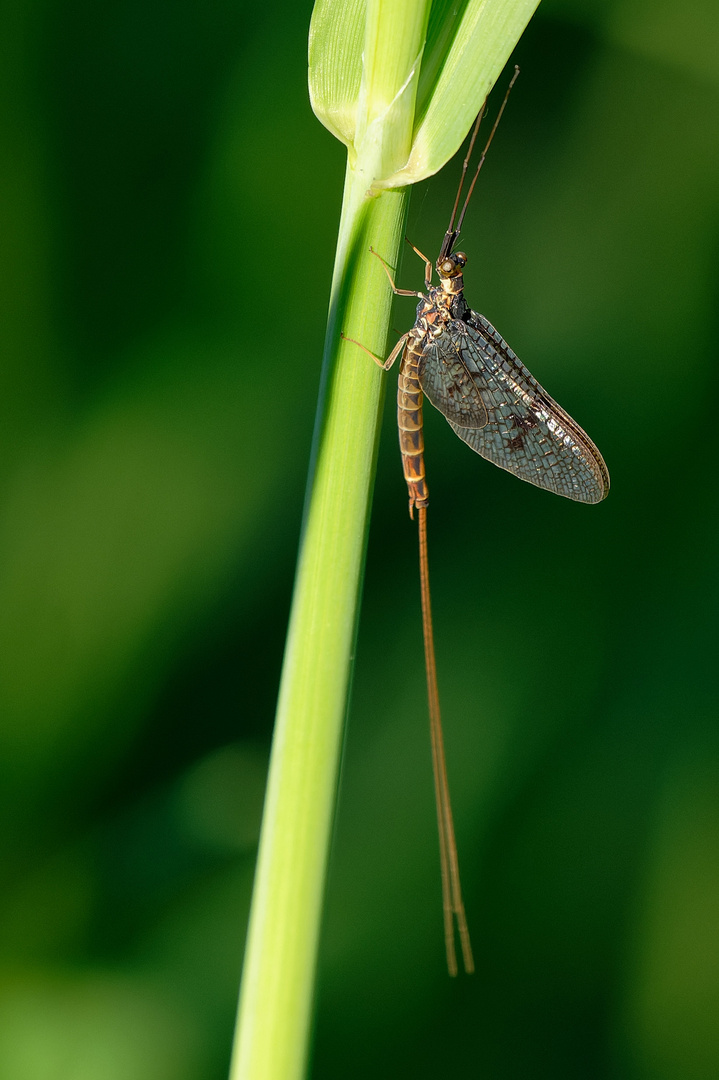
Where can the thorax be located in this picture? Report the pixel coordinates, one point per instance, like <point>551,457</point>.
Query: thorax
<point>438,307</point>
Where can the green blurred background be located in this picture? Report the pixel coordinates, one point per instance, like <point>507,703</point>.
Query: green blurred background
<point>157,409</point>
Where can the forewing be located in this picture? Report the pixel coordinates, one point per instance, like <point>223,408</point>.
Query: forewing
<point>447,380</point>
<point>526,432</point>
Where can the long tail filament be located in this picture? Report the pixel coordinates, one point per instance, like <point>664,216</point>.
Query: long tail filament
<point>451,888</point>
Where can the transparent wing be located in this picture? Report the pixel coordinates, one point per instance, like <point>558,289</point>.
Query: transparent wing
<point>526,432</point>
<point>448,382</point>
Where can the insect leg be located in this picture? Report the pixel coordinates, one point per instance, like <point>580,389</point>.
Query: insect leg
<point>395,290</point>
<point>386,364</point>
<point>427,264</point>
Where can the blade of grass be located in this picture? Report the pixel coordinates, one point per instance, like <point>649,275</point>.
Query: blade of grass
<point>278,978</point>
<point>365,66</point>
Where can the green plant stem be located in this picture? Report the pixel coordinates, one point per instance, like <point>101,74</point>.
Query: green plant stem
<point>280,961</point>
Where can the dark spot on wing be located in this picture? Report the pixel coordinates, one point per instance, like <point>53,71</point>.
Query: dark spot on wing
<point>524,422</point>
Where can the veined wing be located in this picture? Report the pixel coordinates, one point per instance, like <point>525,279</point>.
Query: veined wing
<point>526,432</point>
<point>448,381</point>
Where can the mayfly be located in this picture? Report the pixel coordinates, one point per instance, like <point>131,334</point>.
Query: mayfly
<point>455,357</point>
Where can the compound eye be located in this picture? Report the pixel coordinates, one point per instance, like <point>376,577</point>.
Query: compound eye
<point>460,258</point>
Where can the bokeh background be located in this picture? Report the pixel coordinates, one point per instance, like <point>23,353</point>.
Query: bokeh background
<point>159,159</point>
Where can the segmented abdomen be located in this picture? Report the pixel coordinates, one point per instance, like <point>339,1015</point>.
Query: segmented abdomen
<point>409,422</point>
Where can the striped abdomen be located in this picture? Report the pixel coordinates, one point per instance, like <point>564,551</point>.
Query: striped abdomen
<point>409,422</point>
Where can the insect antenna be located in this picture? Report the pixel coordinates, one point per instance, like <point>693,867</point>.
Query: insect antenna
<point>452,234</point>
<point>465,166</point>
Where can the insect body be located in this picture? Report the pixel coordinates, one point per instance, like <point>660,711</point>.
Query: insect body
<point>466,369</point>
<point>457,359</point>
